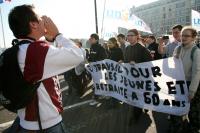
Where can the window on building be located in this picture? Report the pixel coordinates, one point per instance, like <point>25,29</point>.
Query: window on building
<point>188,23</point>
<point>187,18</point>
<point>178,20</point>
<point>188,11</point>
<point>179,5</point>
<point>182,19</point>
<point>177,14</point>
<point>164,15</point>
<point>163,8</point>
<point>197,1</point>
<point>174,21</point>
<point>198,8</point>
<point>168,28</point>
<point>180,12</point>
<point>170,21</point>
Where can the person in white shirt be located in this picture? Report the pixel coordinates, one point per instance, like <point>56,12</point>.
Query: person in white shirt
<point>40,61</point>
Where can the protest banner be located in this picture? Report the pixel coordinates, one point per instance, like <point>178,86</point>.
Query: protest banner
<point>157,85</point>
<point>195,20</point>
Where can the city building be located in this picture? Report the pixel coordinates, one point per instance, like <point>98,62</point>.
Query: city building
<point>161,15</point>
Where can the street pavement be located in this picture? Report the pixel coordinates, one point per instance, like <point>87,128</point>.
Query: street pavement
<point>80,117</point>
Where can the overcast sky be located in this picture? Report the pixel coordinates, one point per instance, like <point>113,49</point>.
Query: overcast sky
<point>74,18</point>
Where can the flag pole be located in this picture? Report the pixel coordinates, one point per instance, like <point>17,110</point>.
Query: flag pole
<point>2,29</point>
<point>96,21</point>
<point>102,27</point>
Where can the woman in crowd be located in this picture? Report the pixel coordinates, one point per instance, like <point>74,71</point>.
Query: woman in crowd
<point>114,52</point>
<point>190,56</point>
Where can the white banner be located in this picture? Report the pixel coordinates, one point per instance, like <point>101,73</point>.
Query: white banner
<point>195,20</point>
<point>158,85</point>
<point>117,14</point>
<point>139,24</point>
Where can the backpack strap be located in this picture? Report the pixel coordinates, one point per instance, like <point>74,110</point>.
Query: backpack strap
<point>191,55</point>
<point>38,112</point>
<point>192,52</point>
<point>178,51</point>
<point>16,42</point>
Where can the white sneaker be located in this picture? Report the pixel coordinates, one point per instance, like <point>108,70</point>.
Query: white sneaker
<point>102,97</point>
<point>94,102</point>
<point>121,102</point>
<point>98,105</point>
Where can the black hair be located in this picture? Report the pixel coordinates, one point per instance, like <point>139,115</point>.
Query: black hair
<point>165,37</point>
<point>121,35</point>
<point>178,26</point>
<point>95,36</point>
<point>152,37</point>
<point>19,19</point>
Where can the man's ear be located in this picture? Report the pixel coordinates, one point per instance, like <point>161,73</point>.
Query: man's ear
<point>33,25</point>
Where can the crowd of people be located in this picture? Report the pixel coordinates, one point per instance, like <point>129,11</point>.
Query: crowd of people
<point>70,58</point>
<point>133,49</point>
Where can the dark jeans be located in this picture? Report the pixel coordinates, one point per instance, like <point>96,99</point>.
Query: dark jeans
<point>194,114</point>
<point>58,128</point>
<point>77,82</point>
<point>15,128</point>
<point>179,124</point>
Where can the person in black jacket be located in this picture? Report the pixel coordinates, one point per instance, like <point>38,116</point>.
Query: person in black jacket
<point>114,52</point>
<point>153,47</point>
<point>97,53</point>
<point>135,53</point>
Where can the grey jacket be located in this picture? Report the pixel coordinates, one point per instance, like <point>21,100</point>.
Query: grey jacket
<point>191,68</point>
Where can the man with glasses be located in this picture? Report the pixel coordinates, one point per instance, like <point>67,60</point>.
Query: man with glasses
<point>135,53</point>
<point>169,48</point>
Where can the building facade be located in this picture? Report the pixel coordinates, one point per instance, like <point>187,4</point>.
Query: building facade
<point>164,14</point>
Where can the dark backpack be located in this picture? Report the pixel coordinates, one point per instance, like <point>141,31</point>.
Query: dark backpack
<point>15,91</point>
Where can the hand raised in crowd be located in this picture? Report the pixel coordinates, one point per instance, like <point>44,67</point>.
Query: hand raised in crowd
<point>161,42</point>
<point>51,28</point>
